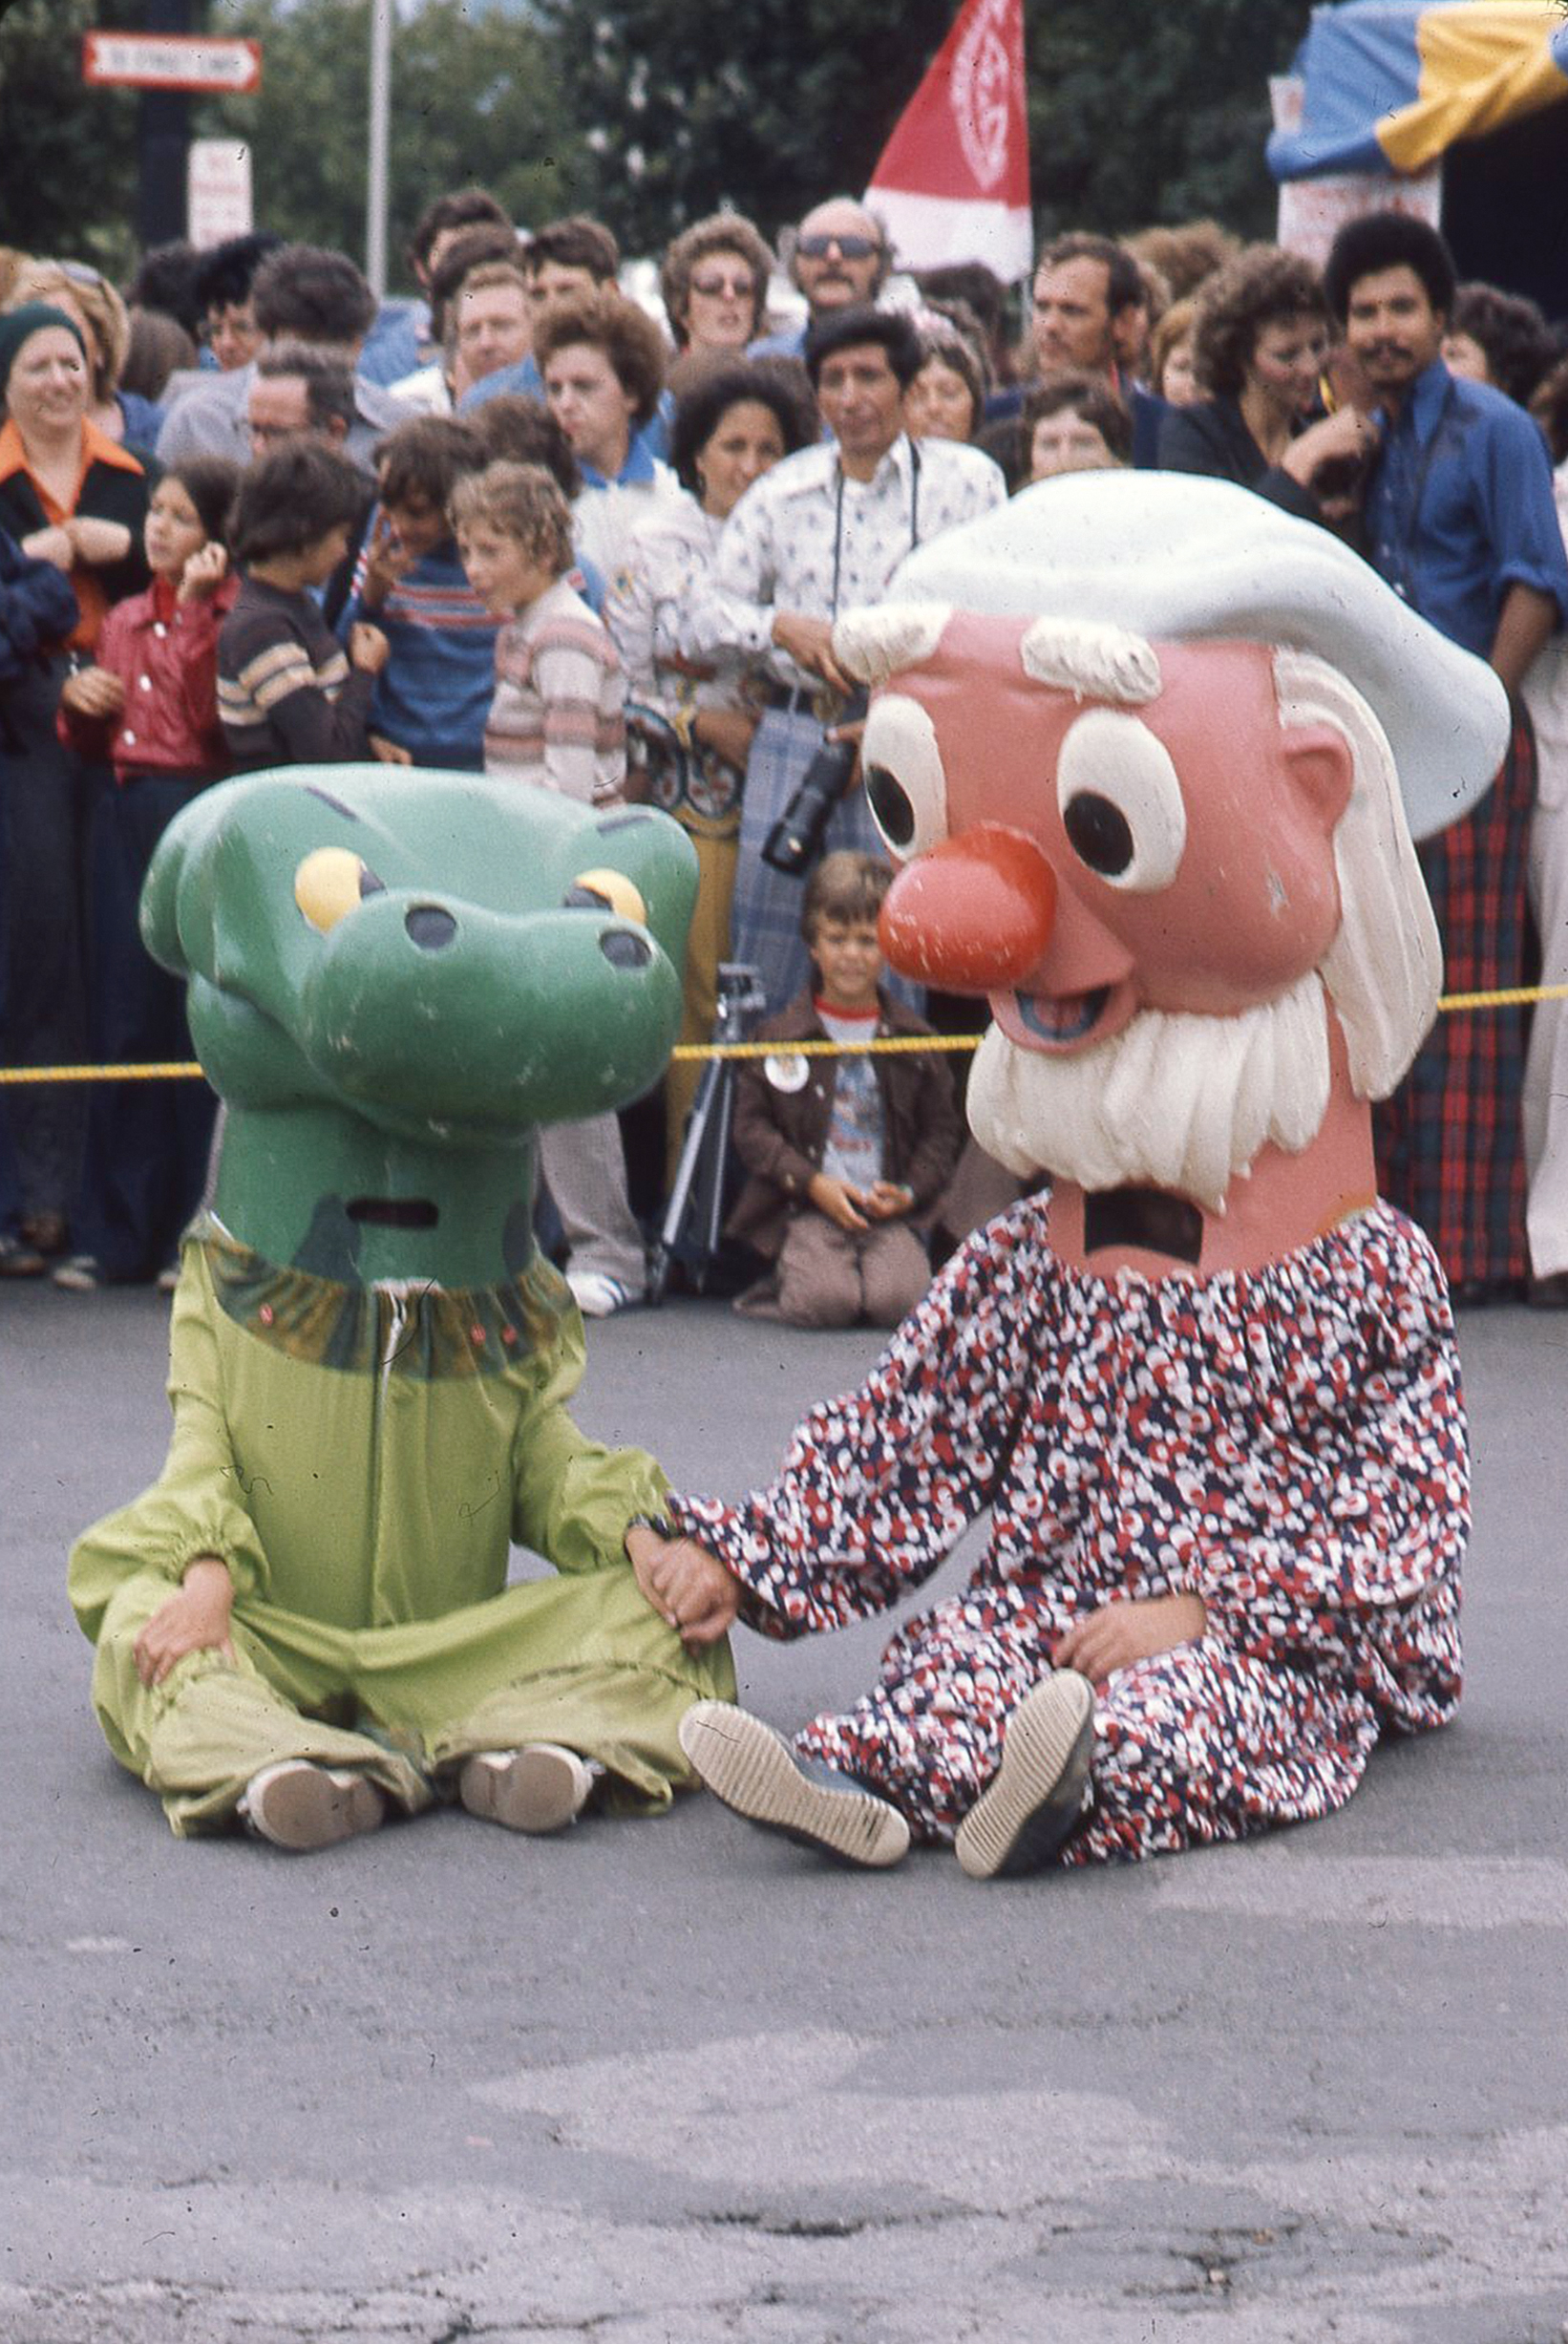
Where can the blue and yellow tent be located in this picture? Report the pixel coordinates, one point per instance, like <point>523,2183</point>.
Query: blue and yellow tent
<point>1390,85</point>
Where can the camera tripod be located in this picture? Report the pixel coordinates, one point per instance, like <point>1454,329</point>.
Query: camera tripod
<point>693,1220</point>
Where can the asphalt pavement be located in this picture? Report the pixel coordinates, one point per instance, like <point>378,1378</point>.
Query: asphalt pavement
<point>673,2083</point>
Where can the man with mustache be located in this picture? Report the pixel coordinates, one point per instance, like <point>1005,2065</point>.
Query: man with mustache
<point>839,258</point>
<point>1460,520</point>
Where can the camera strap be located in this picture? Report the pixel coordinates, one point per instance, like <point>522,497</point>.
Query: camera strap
<point>838,518</point>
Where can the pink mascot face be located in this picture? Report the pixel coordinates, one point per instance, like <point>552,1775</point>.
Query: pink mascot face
<point>1080,853</point>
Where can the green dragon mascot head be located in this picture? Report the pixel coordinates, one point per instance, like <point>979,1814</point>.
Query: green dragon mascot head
<point>396,977</point>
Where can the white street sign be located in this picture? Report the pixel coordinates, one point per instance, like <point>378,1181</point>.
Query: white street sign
<point>171,61</point>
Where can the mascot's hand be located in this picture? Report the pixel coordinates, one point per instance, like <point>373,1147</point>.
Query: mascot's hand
<point>195,1620</point>
<point>1118,1635</point>
<point>688,1587</point>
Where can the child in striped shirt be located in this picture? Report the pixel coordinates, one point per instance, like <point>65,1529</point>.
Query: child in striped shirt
<point>287,691</point>
<point>557,718</point>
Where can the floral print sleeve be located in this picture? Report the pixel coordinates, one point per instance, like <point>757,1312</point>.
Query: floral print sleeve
<point>877,1487</point>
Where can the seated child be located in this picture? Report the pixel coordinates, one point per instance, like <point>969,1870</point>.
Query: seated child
<point>432,697</point>
<point>841,1152</point>
<point>556,721</point>
<point>149,706</point>
<point>288,693</point>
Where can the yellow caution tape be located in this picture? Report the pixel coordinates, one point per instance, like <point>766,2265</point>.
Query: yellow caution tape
<point>1508,997</point>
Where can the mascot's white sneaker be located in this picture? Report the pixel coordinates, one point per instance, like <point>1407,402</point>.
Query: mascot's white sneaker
<point>754,1771</point>
<point>300,1806</point>
<point>542,1787</point>
<point>1021,1819</point>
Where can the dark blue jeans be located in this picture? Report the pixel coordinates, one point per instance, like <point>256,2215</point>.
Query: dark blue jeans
<point>147,1142</point>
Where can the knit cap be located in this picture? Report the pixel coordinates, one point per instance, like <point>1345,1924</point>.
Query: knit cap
<point>19,325</point>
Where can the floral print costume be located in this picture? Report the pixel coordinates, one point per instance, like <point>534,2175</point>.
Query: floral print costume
<point>1289,1444</point>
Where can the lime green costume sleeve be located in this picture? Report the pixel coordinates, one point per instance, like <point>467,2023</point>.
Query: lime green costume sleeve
<point>196,1506</point>
<point>572,1498</point>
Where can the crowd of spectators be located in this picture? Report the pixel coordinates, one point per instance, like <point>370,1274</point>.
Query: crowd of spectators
<point>527,527</point>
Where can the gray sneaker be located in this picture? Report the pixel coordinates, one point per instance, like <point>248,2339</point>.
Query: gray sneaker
<point>300,1806</point>
<point>542,1787</point>
<point>754,1771</point>
<point>1037,1794</point>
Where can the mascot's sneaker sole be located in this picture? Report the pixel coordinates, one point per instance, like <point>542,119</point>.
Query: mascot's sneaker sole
<point>299,1805</point>
<point>540,1788</point>
<point>753,1770</point>
<point>1019,1822</point>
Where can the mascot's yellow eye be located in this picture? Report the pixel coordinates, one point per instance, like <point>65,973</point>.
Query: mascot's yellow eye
<point>330,883</point>
<point>611,888</point>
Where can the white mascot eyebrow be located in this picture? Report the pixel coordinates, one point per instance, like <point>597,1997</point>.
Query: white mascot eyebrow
<point>880,639</point>
<point>1089,656</point>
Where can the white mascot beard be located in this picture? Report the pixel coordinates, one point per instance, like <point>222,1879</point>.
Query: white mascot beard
<point>1175,1101</point>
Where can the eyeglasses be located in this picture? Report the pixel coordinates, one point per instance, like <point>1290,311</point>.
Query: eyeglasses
<point>740,284</point>
<point>849,247</point>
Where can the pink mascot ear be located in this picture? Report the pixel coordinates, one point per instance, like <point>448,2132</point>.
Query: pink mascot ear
<point>1320,764</point>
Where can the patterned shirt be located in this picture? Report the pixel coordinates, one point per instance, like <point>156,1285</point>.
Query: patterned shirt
<point>806,539</point>
<point>857,1135</point>
<point>557,718</point>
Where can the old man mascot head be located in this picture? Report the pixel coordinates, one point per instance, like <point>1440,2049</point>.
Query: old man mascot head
<point>1140,744</point>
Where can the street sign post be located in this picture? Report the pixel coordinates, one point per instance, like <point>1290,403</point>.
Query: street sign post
<point>218,194</point>
<point>171,61</point>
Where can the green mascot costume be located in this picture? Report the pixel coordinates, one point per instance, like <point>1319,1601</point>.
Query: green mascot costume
<point>396,977</point>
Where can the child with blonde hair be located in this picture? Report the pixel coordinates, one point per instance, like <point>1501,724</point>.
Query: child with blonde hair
<point>557,718</point>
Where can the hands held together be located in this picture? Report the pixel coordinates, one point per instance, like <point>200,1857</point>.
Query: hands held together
<point>690,1589</point>
<point>856,1208</point>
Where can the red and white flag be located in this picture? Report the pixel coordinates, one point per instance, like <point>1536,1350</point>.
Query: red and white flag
<point>953,181</point>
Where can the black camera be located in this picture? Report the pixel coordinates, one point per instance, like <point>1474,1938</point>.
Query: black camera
<point>796,839</point>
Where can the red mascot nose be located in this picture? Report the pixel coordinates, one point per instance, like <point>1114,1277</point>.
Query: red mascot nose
<point>974,915</point>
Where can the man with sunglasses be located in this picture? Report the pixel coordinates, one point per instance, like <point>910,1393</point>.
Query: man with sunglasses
<point>839,258</point>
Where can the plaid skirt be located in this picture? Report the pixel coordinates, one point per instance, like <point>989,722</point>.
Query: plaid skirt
<point>1451,1140</point>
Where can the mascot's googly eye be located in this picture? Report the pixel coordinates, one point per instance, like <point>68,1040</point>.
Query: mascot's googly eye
<point>329,883</point>
<point>906,784</point>
<point>607,891</point>
<point>1121,803</point>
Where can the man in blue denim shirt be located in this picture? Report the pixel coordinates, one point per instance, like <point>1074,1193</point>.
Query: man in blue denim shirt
<point>1460,520</point>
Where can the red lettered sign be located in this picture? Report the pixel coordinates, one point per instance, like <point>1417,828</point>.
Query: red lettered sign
<point>171,61</point>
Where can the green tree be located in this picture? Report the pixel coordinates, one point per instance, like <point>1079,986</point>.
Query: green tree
<point>476,98</point>
<point>1156,116</point>
<point>768,104</point>
<point>1160,116</point>
<point>66,152</point>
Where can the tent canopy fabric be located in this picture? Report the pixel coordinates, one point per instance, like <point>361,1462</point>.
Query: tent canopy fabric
<point>1388,85</point>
